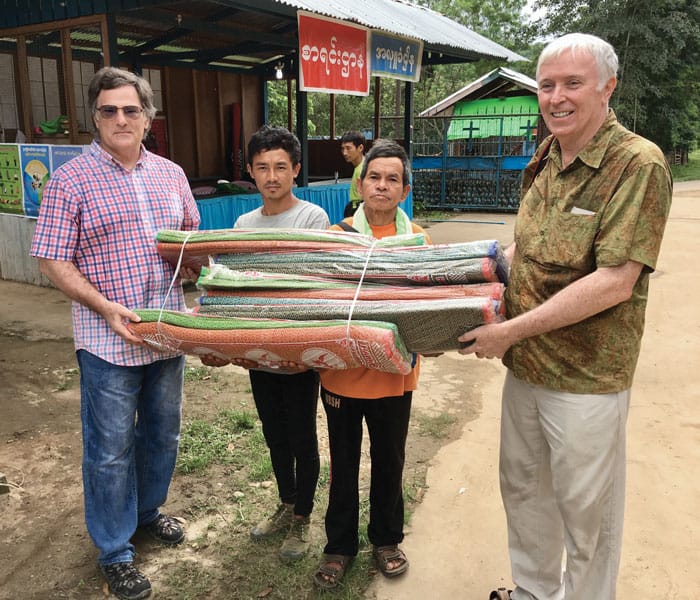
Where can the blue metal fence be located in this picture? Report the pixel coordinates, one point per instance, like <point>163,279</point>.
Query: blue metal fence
<point>221,212</point>
<point>477,173</point>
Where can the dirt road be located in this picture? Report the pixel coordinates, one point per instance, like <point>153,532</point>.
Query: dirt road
<point>457,540</point>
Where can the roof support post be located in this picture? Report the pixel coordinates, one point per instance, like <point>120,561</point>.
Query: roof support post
<point>290,108</point>
<point>331,118</point>
<point>69,92</point>
<point>302,106</point>
<point>109,41</point>
<point>408,119</point>
<point>264,97</point>
<point>24,87</point>
<point>377,106</point>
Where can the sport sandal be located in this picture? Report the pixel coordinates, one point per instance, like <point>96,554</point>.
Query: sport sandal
<point>331,571</point>
<point>383,555</point>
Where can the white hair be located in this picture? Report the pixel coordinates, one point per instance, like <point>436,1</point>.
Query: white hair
<point>601,51</point>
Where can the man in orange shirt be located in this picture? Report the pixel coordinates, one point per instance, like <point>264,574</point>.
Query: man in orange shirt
<point>383,400</point>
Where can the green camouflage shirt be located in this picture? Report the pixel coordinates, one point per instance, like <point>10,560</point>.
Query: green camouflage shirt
<point>607,207</point>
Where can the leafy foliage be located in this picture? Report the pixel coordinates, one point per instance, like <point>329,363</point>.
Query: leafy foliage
<point>657,41</point>
<point>658,44</point>
<point>501,21</point>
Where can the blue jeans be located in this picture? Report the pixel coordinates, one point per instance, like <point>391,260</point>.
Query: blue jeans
<point>131,429</point>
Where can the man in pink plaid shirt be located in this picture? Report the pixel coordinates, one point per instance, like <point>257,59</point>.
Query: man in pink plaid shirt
<point>95,241</point>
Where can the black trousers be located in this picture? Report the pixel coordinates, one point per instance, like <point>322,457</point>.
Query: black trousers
<point>287,406</point>
<point>387,423</point>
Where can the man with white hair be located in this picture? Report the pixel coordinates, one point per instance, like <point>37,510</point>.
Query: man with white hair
<point>595,200</point>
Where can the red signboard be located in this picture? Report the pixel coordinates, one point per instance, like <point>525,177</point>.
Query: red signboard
<point>333,55</point>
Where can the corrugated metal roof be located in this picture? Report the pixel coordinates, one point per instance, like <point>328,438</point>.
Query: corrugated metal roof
<point>260,31</point>
<point>507,76</point>
<point>408,19</point>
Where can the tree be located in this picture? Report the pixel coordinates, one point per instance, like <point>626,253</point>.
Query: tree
<point>502,21</point>
<point>658,44</point>
<point>277,102</point>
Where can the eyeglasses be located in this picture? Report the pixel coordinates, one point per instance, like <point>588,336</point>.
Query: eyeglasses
<point>108,111</point>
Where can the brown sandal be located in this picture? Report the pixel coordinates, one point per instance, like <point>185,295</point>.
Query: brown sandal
<point>383,555</point>
<point>331,571</point>
<point>500,594</point>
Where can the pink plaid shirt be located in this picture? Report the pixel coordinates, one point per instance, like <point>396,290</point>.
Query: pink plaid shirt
<point>104,219</point>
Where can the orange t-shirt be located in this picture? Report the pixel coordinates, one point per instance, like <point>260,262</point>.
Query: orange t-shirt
<point>368,383</point>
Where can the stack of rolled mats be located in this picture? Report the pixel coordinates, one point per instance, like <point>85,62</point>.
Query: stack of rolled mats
<point>327,299</point>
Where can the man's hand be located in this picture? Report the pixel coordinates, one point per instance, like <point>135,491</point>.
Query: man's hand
<point>119,317</point>
<point>245,363</point>
<point>189,273</point>
<point>66,277</point>
<point>585,297</point>
<point>213,360</point>
<point>487,341</point>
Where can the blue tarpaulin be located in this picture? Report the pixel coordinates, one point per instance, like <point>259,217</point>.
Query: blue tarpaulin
<point>221,212</point>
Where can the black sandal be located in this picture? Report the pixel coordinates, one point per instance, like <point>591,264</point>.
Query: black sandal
<point>500,594</point>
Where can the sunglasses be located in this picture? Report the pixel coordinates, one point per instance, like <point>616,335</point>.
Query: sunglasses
<point>108,111</point>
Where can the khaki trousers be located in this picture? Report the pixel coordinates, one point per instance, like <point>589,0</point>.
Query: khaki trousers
<point>562,474</point>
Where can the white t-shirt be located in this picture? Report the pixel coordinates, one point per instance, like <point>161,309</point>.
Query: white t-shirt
<point>303,215</point>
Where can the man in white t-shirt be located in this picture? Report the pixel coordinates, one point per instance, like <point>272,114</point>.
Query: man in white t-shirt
<point>286,403</point>
<point>274,156</point>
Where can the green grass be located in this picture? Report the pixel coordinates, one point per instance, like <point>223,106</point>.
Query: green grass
<point>222,461</point>
<point>66,379</point>
<point>689,172</point>
<point>324,476</point>
<point>188,581</point>
<point>244,568</point>
<point>221,440</point>
<point>259,463</point>
<point>437,426</point>
<point>196,373</point>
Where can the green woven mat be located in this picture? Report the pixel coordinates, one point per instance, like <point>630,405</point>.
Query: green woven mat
<point>195,321</point>
<point>263,234</point>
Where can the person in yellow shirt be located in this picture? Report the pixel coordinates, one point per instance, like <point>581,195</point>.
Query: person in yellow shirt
<point>383,400</point>
<point>352,145</point>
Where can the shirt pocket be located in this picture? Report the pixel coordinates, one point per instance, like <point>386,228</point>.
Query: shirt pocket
<point>568,240</point>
